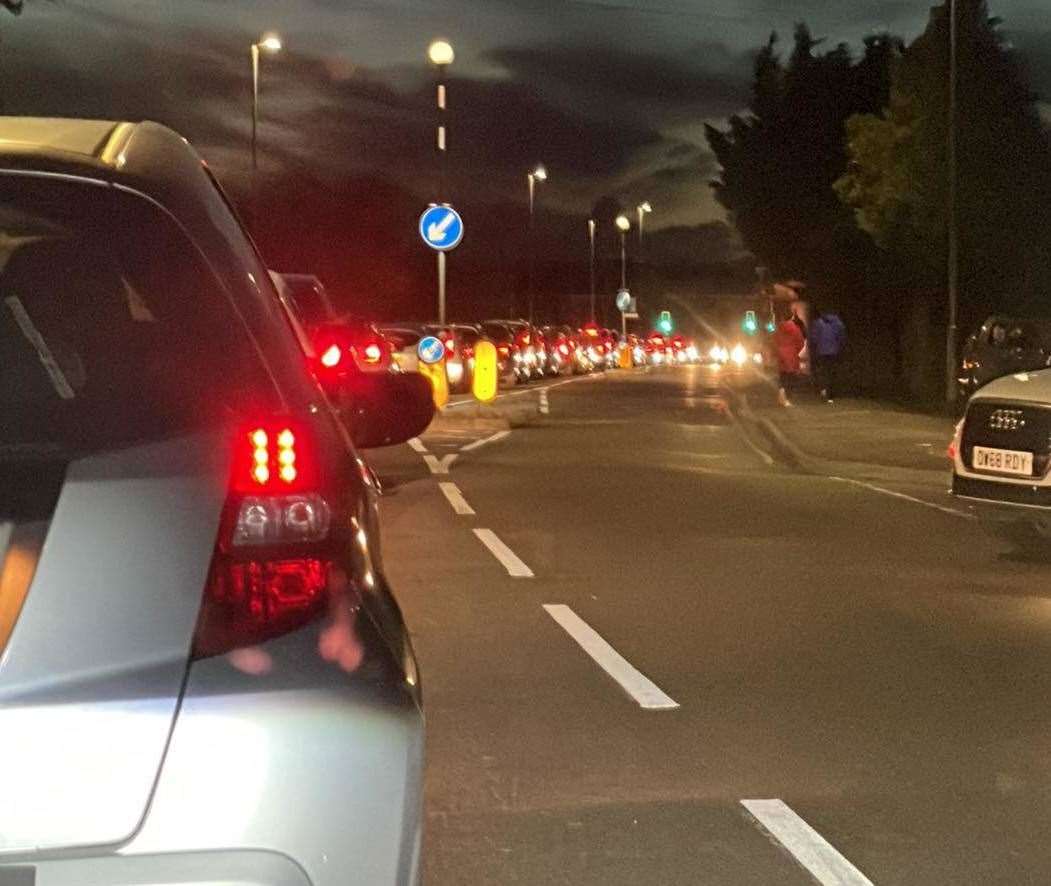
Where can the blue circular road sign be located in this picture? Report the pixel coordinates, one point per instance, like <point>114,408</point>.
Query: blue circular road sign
<point>623,300</point>
<point>430,350</point>
<point>441,228</point>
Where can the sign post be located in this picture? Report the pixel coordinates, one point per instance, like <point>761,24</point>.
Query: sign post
<point>441,228</point>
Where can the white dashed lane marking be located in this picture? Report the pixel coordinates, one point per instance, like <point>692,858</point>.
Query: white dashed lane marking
<point>804,844</point>
<point>478,444</point>
<point>514,566</point>
<point>644,691</point>
<point>456,499</point>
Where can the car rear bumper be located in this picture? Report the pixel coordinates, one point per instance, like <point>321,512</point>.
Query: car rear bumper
<point>284,768</point>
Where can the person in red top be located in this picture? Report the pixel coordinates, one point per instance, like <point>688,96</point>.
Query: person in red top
<point>788,345</point>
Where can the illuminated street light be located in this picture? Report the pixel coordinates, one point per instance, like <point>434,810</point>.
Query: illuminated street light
<point>643,209</point>
<point>623,225</point>
<point>539,174</point>
<point>440,52</point>
<point>591,241</point>
<point>271,43</point>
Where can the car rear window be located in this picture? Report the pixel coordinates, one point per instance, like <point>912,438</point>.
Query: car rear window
<point>113,330</point>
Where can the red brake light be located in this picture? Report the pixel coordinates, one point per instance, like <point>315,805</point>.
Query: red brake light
<point>504,350</point>
<point>332,356</point>
<point>450,346</point>
<point>563,349</point>
<point>272,565</point>
<point>373,353</point>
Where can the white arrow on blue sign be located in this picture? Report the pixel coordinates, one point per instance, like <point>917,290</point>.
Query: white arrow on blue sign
<point>430,350</point>
<point>441,228</point>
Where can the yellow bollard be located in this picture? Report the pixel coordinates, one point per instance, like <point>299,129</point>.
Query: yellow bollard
<point>436,375</point>
<point>625,357</point>
<point>486,372</point>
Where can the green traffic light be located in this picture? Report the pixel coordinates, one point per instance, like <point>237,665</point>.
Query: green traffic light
<point>665,326</point>
<point>770,326</point>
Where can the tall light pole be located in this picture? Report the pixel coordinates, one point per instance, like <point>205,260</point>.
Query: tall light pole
<point>270,43</point>
<point>537,175</point>
<point>441,55</point>
<point>591,241</point>
<point>953,245</point>
<point>623,225</point>
<point>643,209</point>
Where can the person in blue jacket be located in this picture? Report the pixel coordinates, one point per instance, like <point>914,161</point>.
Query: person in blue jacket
<point>828,338</point>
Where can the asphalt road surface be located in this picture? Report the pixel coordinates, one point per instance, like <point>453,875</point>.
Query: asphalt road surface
<point>632,624</point>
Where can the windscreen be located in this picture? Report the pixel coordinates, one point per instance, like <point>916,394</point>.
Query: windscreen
<point>113,331</point>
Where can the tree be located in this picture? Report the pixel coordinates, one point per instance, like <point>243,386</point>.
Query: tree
<point>780,159</point>
<point>897,180</point>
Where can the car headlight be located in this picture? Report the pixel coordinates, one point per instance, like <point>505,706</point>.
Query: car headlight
<point>739,355</point>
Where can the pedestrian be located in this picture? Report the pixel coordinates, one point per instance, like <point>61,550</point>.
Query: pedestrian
<point>828,337</point>
<point>789,342</point>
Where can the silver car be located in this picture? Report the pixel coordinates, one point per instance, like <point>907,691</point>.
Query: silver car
<point>203,675</point>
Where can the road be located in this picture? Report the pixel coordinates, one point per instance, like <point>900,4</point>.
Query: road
<point>881,668</point>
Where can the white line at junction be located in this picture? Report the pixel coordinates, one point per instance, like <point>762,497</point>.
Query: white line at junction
<point>901,495</point>
<point>478,444</point>
<point>456,499</point>
<point>514,566</point>
<point>643,690</point>
<point>440,465</point>
<point>805,844</point>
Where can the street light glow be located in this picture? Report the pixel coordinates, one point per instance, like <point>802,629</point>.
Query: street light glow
<point>440,52</point>
<point>645,207</point>
<point>271,43</point>
<point>540,174</point>
<point>623,223</point>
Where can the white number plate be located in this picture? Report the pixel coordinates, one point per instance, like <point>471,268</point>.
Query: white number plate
<point>1003,461</point>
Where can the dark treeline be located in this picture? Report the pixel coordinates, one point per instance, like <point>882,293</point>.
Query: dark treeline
<point>837,175</point>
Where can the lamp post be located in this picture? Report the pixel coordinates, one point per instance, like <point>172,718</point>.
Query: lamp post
<point>270,43</point>
<point>953,245</point>
<point>591,242</point>
<point>643,209</point>
<point>441,55</point>
<point>623,225</point>
<point>537,175</point>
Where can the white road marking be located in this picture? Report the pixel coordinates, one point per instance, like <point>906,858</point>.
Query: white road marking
<point>643,690</point>
<point>545,406</point>
<point>456,499</point>
<point>515,567</point>
<point>765,457</point>
<point>416,444</point>
<point>918,501</point>
<point>478,444</point>
<point>440,465</point>
<point>529,390</point>
<point>805,844</point>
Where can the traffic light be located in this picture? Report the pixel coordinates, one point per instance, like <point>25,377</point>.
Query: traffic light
<point>750,325</point>
<point>665,324</point>
<point>771,326</point>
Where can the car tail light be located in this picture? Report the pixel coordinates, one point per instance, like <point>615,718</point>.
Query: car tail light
<point>450,346</point>
<point>504,350</point>
<point>373,353</point>
<point>563,349</point>
<point>332,356</point>
<point>273,556</point>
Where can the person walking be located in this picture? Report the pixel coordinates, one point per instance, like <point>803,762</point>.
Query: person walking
<point>828,337</point>
<point>789,342</point>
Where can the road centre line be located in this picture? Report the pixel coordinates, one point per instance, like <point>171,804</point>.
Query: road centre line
<point>514,566</point>
<point>643,690</point>
<point>478,444</point>
<point>456,499</point>
<point>901,495</point>
<point>530,390</point>
<point>804,844</point>
<point>440,465</point>
<point>416,444</point>
<point>545,405</point>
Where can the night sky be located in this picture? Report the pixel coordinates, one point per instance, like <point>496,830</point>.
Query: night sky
<point>611,96</point>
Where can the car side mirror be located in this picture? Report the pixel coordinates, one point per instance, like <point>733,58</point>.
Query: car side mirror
<point>384,409</point>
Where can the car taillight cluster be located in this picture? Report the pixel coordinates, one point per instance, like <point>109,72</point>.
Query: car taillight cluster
<point>504,350</point>
<point>270,569</point>
<point>372,352</point>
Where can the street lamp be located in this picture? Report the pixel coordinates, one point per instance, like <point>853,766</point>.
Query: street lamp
<point>539,174</point>
<point>440,54</point>
<point>643,209</point>
<point>623,225</point>
<point>954,242</point>
<point>591,240</point>
<point>270,43</point>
